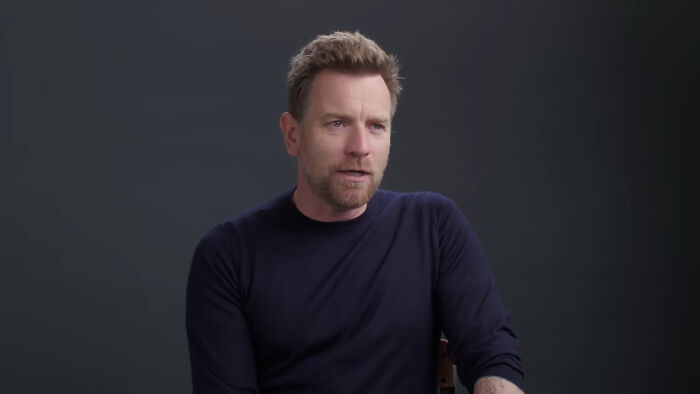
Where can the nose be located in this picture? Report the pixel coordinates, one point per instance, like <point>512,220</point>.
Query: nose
<point>357,143</point>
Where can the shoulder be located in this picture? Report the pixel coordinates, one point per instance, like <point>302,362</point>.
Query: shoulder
<point>423,201</point>
<point>233,230</point>
<point>266,214</point>
<point>435,209</point>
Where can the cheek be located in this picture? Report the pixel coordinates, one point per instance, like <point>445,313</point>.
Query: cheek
<point>319,153</point>
<point>326,148</point>
<point>383,150</point>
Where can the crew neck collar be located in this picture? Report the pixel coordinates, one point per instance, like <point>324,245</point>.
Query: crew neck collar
<point>300,218</point>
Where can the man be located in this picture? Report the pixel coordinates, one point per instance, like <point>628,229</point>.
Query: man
<point>335,286</point>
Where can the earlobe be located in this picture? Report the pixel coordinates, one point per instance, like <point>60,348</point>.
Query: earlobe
<point>290,133</point>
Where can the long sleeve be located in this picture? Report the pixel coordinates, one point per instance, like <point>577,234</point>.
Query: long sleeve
<point>220,347</point>
<point>472,314</point>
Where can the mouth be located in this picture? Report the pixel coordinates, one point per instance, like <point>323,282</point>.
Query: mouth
<point>352,172</point>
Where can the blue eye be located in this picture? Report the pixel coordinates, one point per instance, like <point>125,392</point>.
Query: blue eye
<point>337,123</point>
<point>378,126</point>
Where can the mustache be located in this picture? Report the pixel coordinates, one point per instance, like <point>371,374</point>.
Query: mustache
<point>358,167</point>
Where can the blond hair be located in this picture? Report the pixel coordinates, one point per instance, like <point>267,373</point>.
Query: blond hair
<point>340,51</point>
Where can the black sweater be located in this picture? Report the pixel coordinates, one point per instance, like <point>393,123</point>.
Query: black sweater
<point>280,303</point>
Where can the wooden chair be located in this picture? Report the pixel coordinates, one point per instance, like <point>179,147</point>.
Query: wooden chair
<point>446,375</point>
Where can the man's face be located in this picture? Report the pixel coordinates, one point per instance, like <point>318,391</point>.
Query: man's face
<point>344,138</point>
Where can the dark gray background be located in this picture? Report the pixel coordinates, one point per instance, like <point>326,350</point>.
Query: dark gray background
<point>565,130</point>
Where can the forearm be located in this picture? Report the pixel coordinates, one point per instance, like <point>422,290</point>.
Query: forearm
<point>495,385</point>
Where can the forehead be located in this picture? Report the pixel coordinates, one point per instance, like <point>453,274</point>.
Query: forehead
<point>354,94</point>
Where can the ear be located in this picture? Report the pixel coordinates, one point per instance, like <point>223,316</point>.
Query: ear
<point>290,132</point>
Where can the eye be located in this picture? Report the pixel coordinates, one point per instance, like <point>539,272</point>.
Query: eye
<point>337,123</point>
<point>378,126</point>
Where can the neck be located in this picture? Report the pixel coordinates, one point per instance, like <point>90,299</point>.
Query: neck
<point>317,209</point>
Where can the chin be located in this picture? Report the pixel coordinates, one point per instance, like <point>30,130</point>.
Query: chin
<point>351,196</point>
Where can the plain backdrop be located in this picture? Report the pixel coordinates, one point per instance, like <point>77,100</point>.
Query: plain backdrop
<point>565,130</point>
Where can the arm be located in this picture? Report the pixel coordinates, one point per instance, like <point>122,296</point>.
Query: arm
<point>495,385</point>
<point>471,312</point>
<point>221,350</point>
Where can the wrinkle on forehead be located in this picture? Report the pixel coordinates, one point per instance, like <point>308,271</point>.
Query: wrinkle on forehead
<point>354,95</point>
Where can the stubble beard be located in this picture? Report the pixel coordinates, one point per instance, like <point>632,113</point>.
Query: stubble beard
<point>343,194</point>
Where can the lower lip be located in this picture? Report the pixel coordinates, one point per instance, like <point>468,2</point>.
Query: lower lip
<point>353,177</point>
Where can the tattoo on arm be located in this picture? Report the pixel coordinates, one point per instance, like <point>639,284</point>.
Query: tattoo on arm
<point>494,385</point>
<point>491,384</point>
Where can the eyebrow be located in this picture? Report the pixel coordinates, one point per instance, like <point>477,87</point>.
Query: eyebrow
<point>335,115</point>
<point>341,116</point>
<point>379,120</point>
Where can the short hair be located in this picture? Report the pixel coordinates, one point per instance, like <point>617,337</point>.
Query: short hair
<point>340,51</point>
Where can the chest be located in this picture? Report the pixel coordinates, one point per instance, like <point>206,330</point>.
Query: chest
<point>340,291</point>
